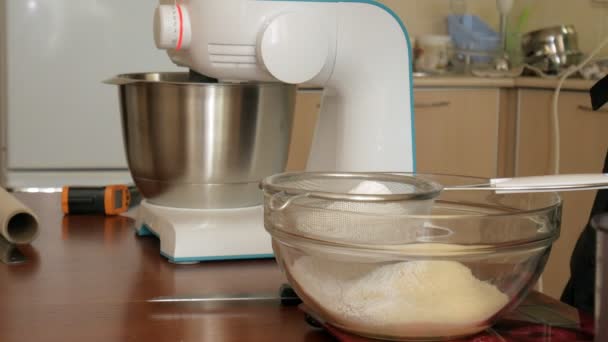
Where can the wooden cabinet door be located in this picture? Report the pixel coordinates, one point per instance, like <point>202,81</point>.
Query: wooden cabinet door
<point>304,122</point>
<point>584,142</point>
<point>457,131</point>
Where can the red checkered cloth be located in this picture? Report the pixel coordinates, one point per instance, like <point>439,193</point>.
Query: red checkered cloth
<point>529,323</point>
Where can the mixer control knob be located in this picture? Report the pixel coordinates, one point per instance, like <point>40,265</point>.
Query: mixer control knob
<point>172,27</point>
<point>292,49</point>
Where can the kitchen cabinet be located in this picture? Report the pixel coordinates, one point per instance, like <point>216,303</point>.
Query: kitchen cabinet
<point>462,131</point>
<point>458,131</point>
<point>308,104</point>
<point>584,143</point>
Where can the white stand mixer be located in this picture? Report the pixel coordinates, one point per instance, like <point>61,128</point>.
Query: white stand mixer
<point>358,51</point>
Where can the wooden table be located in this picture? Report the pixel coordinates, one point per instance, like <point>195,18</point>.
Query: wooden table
<point>89,278</point>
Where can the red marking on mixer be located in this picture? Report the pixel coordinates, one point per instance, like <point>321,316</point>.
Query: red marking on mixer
<point>181,27</point>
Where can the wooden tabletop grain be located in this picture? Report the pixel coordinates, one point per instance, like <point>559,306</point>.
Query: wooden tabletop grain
<point>88,278</point>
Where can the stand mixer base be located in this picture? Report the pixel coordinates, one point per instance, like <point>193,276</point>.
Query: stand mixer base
<point>191,235</point>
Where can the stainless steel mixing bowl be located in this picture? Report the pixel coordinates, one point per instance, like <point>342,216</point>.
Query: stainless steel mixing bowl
<point>552,49</point>
<point>200,145</point>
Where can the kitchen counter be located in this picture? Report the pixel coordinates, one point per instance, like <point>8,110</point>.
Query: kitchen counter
<point>462,81</point>
<point>466,81</point>
<point>469,81</point>
<point>88,278</point>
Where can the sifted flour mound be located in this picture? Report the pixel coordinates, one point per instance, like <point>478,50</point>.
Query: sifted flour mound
<point>364,222</point>
<point>416,298</point>
<point>370,187</point>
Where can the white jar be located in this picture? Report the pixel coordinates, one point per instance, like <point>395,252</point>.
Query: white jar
<point>432,53</point>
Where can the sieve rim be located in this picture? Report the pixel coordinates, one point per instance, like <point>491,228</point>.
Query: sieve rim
<point>271,185</point>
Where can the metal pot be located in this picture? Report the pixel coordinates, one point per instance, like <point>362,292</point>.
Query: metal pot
<point>552,49</point>
<point>600,223</point>
<point>191,144</point>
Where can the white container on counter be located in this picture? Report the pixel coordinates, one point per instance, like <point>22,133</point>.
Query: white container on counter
<point>432,53</point>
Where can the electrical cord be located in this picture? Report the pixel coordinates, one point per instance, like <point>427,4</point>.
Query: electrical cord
<point>563,76</point>
<point>555,107</point>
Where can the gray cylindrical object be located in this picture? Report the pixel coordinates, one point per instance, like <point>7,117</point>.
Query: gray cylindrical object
<point>18,223</point>
<point>600,223</point>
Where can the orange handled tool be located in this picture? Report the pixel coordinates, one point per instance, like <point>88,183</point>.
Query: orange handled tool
<point>107,200</point>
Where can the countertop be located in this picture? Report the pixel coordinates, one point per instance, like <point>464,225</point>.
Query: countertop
<point>465,81</point>
<point>470,81</point>
<point>88,278</point>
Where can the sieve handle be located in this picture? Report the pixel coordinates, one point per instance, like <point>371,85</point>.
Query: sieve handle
<point>549,183</point>
<point>272,204</point>
<point>553,182</point>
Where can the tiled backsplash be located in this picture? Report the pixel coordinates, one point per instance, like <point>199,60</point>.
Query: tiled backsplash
<point>589,18</point>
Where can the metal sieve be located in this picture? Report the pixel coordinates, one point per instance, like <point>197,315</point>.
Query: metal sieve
<point>338,186</point>
<point>334,206</point>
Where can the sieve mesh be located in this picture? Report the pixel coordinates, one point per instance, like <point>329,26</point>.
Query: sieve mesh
<point>346,186</point>
<point>351,208</point>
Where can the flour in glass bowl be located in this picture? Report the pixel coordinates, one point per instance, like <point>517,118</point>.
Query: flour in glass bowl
<point>418,299</point>
<point>426,298</point>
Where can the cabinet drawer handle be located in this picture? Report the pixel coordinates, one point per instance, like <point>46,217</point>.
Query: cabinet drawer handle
<point>589,109</point>
<point>437,104</point>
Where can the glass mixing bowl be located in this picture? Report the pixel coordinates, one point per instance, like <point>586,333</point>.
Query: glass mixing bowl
<point>426,265</point>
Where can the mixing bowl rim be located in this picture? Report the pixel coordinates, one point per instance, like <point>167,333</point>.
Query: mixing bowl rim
<point>299,241</point>
<point>437,217</point>
<point>275,189</point>
<point>563,29</point>
<point>130,78</point>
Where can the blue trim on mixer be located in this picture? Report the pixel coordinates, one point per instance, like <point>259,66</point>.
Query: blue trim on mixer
<point>410,54</point>
<point>144,230</point>
<point>217,258</point>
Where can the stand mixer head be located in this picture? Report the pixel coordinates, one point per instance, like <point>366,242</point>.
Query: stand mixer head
<point>358,51</point>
